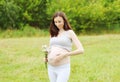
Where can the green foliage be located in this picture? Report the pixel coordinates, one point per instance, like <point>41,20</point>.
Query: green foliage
<point>17,13</point>
<point>8,14</point>
<point>83,15</point>
<point>33,12</point>
<point>87,15</point>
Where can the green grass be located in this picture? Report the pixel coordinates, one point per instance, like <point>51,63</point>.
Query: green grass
<point>21,60</point>
<point>27,31</point>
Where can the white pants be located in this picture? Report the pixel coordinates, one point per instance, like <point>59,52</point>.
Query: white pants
<point>59,73</point>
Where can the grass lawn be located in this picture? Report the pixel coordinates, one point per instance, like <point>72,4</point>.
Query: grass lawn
<point>21,60</point>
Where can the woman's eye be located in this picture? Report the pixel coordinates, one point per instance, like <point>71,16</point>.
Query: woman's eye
<point>59,21</point>
<point>55,22</point>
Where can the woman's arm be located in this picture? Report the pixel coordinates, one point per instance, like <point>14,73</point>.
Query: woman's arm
<point>77,43</point>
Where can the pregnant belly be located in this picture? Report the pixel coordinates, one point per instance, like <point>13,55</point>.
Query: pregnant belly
<point>54,52</point>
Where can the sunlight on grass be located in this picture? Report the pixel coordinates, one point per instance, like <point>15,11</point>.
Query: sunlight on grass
<point>21,60</point>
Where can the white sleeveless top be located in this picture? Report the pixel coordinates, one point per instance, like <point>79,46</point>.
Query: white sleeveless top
<point>62,41</point>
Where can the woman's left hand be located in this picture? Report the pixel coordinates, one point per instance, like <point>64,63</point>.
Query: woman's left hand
<point>60,56</point>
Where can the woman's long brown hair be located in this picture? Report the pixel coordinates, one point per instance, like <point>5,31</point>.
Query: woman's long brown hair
<point>53,28</point>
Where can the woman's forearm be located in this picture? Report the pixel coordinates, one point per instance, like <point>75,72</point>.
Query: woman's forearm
<point>75,52</point>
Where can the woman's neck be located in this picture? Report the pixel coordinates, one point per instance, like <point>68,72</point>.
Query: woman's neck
<point>61,30</point>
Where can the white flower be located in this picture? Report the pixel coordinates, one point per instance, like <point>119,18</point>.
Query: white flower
<point>45,48</point>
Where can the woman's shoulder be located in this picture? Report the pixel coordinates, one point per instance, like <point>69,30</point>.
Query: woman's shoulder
<point>70,32</point>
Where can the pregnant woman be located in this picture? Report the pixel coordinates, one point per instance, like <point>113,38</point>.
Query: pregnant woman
<point>62,37</point>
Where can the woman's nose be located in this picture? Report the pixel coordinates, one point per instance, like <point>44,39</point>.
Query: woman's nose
<point>57,24</point>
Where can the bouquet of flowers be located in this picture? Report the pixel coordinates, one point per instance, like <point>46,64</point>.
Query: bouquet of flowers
<point>45,50</point>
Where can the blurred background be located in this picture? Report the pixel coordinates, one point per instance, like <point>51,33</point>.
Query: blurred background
<point>32,17</point>
<point>24,29</point>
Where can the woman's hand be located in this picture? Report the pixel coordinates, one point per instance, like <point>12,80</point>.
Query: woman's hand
<point>60,56</point>
<point>45,59</point>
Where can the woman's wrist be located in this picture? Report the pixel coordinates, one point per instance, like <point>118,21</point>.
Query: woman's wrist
<point>67,54</point>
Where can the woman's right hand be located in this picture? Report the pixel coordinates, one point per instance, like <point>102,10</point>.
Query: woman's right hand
<point>45,59</point>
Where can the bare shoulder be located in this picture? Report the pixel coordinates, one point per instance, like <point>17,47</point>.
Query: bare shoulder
<point>71,32</point>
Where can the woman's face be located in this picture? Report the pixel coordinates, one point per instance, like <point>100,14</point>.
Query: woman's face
<point>59,22</point>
